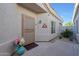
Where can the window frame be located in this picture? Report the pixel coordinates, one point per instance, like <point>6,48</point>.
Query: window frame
<point>53,27</point>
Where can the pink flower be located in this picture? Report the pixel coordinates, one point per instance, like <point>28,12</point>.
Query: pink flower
<point>17,40</point>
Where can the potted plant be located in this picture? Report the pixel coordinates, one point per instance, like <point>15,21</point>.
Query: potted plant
<point>19,47</point>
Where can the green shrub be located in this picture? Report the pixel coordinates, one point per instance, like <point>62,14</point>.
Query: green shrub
<point>67,33</point>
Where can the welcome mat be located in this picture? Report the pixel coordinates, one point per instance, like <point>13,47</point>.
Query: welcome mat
<point>30,46</point>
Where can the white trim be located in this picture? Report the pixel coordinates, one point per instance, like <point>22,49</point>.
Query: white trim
<point>75,11</point>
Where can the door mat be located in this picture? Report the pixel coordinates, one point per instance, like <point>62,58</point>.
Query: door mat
<point>30,46</point>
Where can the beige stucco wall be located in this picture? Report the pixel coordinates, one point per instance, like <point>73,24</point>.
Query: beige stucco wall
<point>44,34</point>
<point>11,21</point>
<point>10,27</point>
<point>13,11</point>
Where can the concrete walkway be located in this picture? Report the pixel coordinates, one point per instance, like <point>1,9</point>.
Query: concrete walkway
<point>58,48</point>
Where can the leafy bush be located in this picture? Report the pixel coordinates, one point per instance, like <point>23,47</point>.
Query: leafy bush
<point>67,33</point>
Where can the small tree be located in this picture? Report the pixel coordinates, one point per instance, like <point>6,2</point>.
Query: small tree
<point>67,33</point>
<point>68,24</point>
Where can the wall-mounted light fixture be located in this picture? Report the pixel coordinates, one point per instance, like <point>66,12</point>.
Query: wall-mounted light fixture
<point>39,22</point>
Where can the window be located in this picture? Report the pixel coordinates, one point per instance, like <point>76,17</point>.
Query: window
<point>77,25</point>
<point>52,27</point>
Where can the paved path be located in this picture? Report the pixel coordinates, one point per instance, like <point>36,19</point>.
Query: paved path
<point>58,48</point>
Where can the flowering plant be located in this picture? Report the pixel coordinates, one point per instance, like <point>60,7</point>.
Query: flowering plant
<point>19,41</point>
<point>19,46</point>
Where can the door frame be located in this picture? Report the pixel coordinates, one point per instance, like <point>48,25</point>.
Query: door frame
<point>22,27</point>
